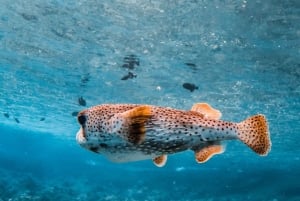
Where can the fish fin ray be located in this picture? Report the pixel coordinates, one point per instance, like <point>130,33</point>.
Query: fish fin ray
<point>135,123</point>
<point>254,132</point>
<point>207,111</point>
<point>205,153</point>
<point>160,161</point>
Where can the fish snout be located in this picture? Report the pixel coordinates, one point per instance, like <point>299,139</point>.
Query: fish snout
<point>80,137</point>
<point>82,119</point>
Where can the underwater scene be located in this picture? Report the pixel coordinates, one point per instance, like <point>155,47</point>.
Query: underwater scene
<point>58,58</point>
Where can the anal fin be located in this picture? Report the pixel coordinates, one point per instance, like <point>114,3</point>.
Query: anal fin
<point>160,161</point>
<point>207,111</point>
<point>205,153</point>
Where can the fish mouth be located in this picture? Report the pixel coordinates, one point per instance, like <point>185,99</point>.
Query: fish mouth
<point>80,137</point>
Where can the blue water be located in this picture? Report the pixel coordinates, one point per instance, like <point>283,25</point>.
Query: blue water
<point>243,57</point>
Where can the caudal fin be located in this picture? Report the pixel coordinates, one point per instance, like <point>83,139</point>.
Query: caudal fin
<point>254,132</point>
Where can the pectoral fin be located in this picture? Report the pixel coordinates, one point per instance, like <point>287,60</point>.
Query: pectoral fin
<point>160,161</point>
<point>205,153</point>
<point>134,121</point>
<point>207,111</point>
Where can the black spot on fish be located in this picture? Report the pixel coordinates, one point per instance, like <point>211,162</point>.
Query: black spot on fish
<point>42,119</point>
<point>17,120</point>
<point>81,101</point>
<point>131,61</point>
<point>6,115</point>
<point>103,145</point>
<point>75,113</point>
<point>94,149</point>
<point>130,75</point>
<point>190,86</point>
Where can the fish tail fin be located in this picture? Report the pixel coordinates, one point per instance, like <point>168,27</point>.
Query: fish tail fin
<point>254,132</point>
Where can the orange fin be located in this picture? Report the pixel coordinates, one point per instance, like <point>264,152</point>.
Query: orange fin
<point>208,151</point>
<point>135,121</point>
<point>207,111</point>
<point>160,161</point>
<point>254,132</point>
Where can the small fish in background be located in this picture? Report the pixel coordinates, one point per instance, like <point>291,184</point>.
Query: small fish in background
<point>17,120</point>
<point>42,119</point>
<point>190,86</point>
<point>192,66</point>
<point>84,79</point>
<point>130,75</point>
<point>75,113</point>
<point>133,132</point>
<point>131,61</point>
<point>6,115</point>
<point>29,17</point>
<point>81,101</point>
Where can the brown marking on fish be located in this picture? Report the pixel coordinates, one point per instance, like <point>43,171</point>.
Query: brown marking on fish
<point>135,122</point>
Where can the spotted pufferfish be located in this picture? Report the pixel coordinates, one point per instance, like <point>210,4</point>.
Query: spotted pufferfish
<point>133,132</point>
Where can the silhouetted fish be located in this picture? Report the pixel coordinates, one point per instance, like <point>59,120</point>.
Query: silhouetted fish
<point>131,61</point>
<point>130,75</point>
<point>190,64</point>
<point>129,132</point>
<point>17,120</point>
<point>42,119</point>
<point>74,114</point>
<point>81,101</point>
<point>190,86</point>
<point>29,17</point>
<point>84,79</point>
<point>6,115</point>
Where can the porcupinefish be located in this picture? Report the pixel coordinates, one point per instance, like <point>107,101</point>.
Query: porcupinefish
<point>132,132</point>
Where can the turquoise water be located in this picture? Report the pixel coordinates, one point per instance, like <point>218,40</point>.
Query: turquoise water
<point>242,57</point>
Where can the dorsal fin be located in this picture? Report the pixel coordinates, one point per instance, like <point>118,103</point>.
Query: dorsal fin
<point>206,152</point>
<point>207,111</point>
<point>134,123</point>
<point>160,161</point>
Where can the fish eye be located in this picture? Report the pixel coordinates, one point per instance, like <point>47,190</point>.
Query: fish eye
<point>82,119</point>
